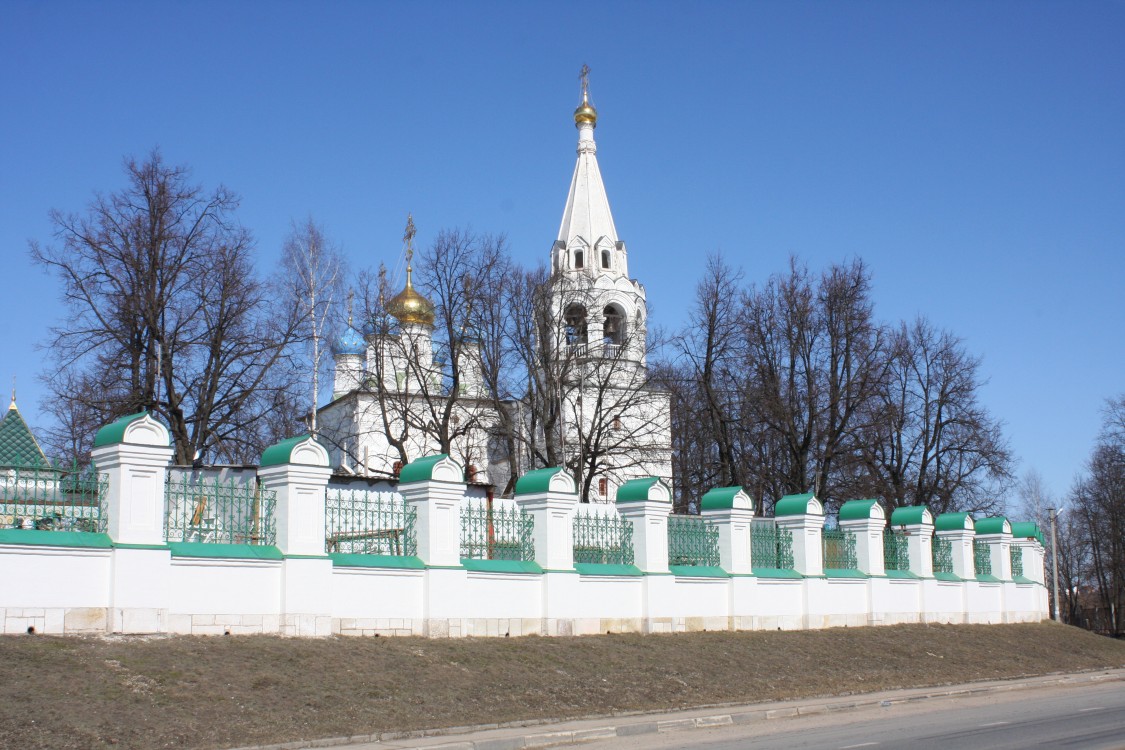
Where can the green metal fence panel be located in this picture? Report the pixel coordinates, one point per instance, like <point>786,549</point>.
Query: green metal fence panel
<point>942,551</point>
<point>771,547</point>
<point>604,538</point>
<point>1016,554</point>
<point>218,512</point>
<point>496,531</point>
<point>53,498</point>
<point>369,523</point>
<point>692,540</point>
<point>838,547</point>
<point>982,559</point>
<point>895,554</point>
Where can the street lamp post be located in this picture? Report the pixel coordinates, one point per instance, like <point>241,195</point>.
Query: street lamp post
<point>1053,514</point>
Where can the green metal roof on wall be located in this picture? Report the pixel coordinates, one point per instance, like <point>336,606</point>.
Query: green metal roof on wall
<point>18,447</point>
<point>953,522</point>
<point>538,480</point>
<point>422,469</point>
<point>909,515</point>
<point>854,510</point>
<point>719,498</point>
<point>281,453</point>
<point>792,505</point>
<point>636,490</point>
<point>995,525</point>
<point>1027,530</point>
<point>114,432</point>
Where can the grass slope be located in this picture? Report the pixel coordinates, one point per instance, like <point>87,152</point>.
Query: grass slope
<point>185,692</point>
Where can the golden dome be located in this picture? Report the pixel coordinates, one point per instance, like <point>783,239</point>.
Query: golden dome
<point>408,306</point>
<point>585,113</point>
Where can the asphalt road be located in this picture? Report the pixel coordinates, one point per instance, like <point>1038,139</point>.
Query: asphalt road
<point>1079,717</point>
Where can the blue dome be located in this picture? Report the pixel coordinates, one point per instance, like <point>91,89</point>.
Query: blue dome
<point>349,342</point>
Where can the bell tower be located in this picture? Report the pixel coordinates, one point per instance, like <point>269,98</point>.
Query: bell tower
<point>602,310</point>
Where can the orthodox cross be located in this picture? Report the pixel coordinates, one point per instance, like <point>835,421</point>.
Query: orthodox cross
<point>408,238</point>
<point>584,76</point>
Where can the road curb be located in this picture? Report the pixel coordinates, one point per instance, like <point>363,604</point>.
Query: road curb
<point>742,714</point>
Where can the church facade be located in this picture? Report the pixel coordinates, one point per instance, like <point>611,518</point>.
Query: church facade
<point>608,425</point>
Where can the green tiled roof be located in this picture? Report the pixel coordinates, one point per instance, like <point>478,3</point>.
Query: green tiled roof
<point>17,445</point>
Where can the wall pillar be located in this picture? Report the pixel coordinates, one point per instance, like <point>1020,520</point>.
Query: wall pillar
<point>134,452</point>
<point>960,530</point>
<point>866,520</point>
<point>732,511</point>
<point>297,471</point>
<point>645,503</point>
<point>435,486</point>
<point>803,515</point>
<point>550,497</point>
<point>917,523</point>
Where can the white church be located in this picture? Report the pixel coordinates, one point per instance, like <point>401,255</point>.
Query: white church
<point>612,425</point>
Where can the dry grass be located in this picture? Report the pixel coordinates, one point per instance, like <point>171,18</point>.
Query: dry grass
<point>185,692</point>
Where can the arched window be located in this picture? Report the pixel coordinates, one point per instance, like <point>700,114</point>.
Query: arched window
<point>578,258</point>
<point>605,258</point>
<point>576,330</point>
<point>614,328</point>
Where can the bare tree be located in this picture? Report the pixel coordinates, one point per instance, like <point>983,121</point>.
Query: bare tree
<point>166,313</point>
<point>929,440</point>
<point>312,275</point>
<point>1098,498</point>
<point>814,358</point>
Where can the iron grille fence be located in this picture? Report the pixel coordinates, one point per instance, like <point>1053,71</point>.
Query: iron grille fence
<point>838,547</point>
<point>895,554</point>
<point>495,531</point>
<point>771,547</point>
<point>53,498</point>
<point>692,540</point>
<point>369,523</point>
<point>982,558</point>
<point>604,538</point>
<point>218,512</point>
<point>942,551</point>
<point>1017,560</point>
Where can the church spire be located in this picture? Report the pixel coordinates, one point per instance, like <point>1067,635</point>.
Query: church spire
<point>587,241</point>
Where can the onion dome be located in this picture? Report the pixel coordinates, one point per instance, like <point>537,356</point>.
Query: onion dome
<point>585,113</point>
<point>408,306</point>
<point>349,342</point>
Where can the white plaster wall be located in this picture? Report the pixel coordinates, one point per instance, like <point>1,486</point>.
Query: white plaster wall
<point>202,587</point>
<point>943,601</point>
<point>983,602</point>
<point>895,601</point>
<point>778,604</point>
<point>63,590</point>
<point>837,602</point>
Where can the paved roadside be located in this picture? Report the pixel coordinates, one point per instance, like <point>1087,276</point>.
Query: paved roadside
<point>555,734</point>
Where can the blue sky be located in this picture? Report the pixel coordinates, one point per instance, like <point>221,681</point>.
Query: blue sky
<point>972,154</point>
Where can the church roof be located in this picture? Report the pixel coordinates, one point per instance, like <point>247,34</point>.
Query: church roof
<point>18,446</point>
<point>587,213</point>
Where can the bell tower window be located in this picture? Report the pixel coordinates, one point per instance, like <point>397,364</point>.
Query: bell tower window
<point>605,258</point>
<point>576,329</point>
<point>578,259</point>
<point>614,328</point>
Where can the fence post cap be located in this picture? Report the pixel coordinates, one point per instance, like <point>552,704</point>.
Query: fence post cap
<point>726,498</point>
<point>644,489</point>
<point>798,505</point>
<point>302,449</point>
<point>136,429</point>
<point>437,468</point>
<point>861,510</point>
<point>551,479</point>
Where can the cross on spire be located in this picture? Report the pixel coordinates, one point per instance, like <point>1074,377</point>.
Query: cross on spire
<point>584,77</point>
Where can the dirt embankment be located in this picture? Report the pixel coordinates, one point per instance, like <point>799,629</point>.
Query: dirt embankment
<point>190,692</point>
